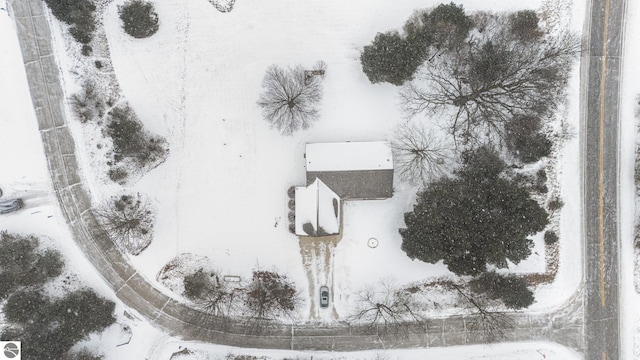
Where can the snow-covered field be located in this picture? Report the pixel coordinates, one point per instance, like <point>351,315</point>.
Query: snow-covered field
<point>222,192</point>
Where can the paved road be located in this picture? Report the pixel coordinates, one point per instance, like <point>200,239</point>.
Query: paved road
<point>600,86</point>
<point>563,326</point>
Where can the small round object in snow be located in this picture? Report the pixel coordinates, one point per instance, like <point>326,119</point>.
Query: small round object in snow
<point>372,243</point>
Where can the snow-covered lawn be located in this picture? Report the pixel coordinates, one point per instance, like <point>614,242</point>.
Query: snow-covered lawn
<point>222,192</point>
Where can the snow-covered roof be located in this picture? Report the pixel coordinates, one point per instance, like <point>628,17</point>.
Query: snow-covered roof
<point>349,156</point>
<point>317,210</point>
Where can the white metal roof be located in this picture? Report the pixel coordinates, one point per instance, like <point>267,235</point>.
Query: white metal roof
<point>319,206</point>
<point>349,156</point>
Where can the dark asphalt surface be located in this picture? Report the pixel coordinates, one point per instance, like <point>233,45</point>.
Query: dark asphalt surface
<point>600,175</point>
<point>564,325</point>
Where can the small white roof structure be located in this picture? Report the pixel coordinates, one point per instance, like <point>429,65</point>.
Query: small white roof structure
<point>317,210</point>
<point>349,156</point>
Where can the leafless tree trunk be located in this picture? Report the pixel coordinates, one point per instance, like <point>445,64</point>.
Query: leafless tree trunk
<point>291,97</point>
<point>388,308</point>
<point>480,86</point>
<point>129,221</point>
<point>491,323</point>
<point>419,155</point>
<point>268,297</point>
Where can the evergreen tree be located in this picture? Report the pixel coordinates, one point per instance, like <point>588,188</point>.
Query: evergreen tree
<point>390,58</point>
<point>139,18</point>
<point>478,218</point>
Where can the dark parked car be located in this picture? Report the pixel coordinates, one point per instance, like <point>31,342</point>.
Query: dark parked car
<point>8,206</point>
<point>324,297</point>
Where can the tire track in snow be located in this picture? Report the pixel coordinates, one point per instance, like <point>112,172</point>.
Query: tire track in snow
<point>317,259</point>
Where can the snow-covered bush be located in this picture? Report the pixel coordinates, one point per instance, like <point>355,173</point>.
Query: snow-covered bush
<point>139,18</point>
<point>77,13</point>
<point>131,141</point>
<point>129,221</point>
<point>87,104</point>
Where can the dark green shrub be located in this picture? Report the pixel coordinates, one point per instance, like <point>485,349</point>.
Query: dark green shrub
<point>446,26</point>
<point>77,13</point>
<point>550,237</point>
<point>86,50</point>
<point>139,18</point>
<point>22,264</point>
<point>118,174</point>
<point>524,25</point>
<point>510,289</point>
<point>524,139</point>
<point>390,58</point>
<point>555,204</point>
<point>130,140</point>
<point>48,328</point>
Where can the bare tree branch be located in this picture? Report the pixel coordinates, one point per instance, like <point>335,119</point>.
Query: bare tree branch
<point>129,221</point>
<point>419,155</point>
<point>480,86</point>
<point>491,323</point>
<point>386,306</point>
<point>290,100</point>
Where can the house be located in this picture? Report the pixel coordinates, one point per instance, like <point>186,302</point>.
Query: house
<point>353,170</point>
<point>317,210</point>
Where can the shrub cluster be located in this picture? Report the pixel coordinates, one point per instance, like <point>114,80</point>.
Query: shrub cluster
<point>87,104</point>
<point>139,18</point>
<point>23,264</point>
<point>47,327</point>
<point>510,289</point>
<point>394,57</point>
<point>79,14</point>
<point>131,141</point>
<point>524,139</point>
<point>550,237</point>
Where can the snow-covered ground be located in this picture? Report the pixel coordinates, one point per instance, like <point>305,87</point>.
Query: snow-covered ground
<point>629,298</point>
<point>222,192</point>
<point>23,169</point>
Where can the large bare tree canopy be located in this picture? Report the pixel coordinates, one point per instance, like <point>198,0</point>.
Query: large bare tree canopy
<point>494,76</point>
<point>419,154</point>
<point>291,97</point>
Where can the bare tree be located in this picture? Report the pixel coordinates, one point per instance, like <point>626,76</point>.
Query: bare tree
<point>494,77</point>
<point>419,154</point>
<point>269,296</point>
<point>291,97</point>
<point>129,221</point>
<point>216,302</point>
<point>387,306</point>
<point>488,320</point>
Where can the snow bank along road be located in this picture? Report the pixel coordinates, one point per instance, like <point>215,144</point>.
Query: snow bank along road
<point>563,325</point>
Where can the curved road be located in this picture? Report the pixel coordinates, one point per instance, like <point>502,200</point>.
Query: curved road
<point>563,326</point>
